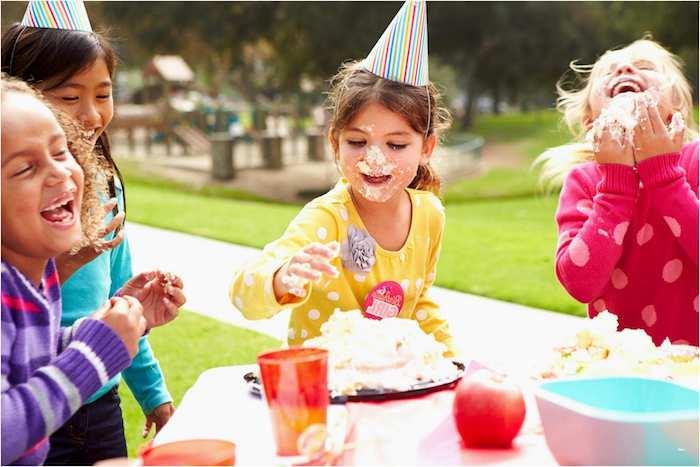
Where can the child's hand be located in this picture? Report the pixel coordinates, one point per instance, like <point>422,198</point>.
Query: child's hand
<point>309,264</point>
<point>67,263</point>
<point>652,137</point>
<point>609,149</point>
<point>159,292</point>
<point>158,417</point>
<point>125,316</point>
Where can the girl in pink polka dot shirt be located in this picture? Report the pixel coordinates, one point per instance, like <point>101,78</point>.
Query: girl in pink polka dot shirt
<point>628,209</point>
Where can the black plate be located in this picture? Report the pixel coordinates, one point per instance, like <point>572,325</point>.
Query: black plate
<point>365,395</point>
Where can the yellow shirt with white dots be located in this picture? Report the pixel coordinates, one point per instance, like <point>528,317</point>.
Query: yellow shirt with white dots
<point>328,218</point>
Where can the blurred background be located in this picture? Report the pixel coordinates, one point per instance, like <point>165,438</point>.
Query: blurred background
<point>220,125</point>
<point>252,59</point>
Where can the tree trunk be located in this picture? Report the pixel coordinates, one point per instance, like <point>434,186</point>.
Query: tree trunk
<point>470,90</point>
<point>496,96</point>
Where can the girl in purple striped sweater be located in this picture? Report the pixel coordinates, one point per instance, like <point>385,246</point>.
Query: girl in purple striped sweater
<point>48,371</point>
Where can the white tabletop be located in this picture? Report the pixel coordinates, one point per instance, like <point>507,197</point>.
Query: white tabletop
<point>411,431</point>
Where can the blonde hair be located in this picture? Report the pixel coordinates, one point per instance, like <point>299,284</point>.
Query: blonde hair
<point>93,166</point>
<point>353,87</point>
<point>577,113</point>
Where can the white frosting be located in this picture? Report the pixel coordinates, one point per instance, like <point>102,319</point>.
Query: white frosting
<point>599,349</point>
<point>392,353</point>
<point>677,125</point>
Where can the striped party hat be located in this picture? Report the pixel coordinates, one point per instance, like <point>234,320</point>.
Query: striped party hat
<point>57,14</point>
<point>401,54</point>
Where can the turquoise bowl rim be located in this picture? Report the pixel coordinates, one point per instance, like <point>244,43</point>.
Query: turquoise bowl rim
<point>542,392</point>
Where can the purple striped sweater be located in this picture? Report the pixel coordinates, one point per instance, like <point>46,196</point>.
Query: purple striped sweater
<point>47,371</point>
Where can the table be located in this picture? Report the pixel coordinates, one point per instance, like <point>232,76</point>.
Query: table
<point>416,431</point>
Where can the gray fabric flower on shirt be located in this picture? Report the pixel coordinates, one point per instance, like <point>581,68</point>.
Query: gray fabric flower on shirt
<point>357,251</point>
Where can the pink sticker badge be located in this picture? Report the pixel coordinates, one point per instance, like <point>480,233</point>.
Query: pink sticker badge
<point>384,301</point>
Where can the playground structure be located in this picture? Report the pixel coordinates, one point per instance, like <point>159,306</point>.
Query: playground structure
<point>168,118</point>
<point>164,112</point>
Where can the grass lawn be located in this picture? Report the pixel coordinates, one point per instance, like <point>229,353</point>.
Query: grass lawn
<point>529,134</point>
<point>185,348</point>
<point>504,249</point>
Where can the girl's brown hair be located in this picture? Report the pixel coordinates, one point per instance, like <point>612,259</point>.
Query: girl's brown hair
<point>46,58</point>
<point>94,167</point>
<point>354,87</point>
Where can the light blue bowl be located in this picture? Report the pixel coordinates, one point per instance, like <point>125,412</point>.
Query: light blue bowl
<point>620,421</point>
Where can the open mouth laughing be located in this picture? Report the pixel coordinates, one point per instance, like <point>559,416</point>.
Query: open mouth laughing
<point>625,84</point>
<point>60,211</point>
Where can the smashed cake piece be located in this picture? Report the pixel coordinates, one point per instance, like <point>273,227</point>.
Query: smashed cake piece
<point>389,354</point>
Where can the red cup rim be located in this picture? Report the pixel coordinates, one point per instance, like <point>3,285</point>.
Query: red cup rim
<point>292,354</point>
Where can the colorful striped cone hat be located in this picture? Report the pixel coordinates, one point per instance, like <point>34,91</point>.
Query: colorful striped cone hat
<point>57,14</point>
<point>402,52</point>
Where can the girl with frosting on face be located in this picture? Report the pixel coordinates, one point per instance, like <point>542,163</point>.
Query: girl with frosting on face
<point>373,241</point>
<point>628,209</point>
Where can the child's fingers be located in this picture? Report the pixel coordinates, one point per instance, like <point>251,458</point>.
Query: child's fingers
<point>656,122</point>
<point>323,266</point>
<point>304,272</point>
<point>321,250</point>
<point>112,226</point>
<point>298,292</point>
<point>677,129</point>
<point>109,205</point>
<point>171,308</point>
<point>176,295</point>
<point>175,280</point>
<point>302,258</point>
<point>644,122</point>
<point>110,244</point>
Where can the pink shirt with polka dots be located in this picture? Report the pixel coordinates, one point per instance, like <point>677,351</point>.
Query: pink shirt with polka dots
<point>628,242</point>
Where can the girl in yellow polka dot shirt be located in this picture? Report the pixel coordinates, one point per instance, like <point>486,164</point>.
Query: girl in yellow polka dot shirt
<point>373,241</point>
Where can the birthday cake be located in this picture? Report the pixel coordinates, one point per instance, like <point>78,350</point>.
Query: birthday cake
<point>599,349</point>
<point>390,354</point>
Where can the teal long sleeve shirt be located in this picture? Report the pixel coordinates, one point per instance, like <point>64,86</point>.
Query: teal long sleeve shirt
<point>86,291</point>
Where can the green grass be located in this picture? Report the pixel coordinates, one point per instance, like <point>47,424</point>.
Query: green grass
<point>497,183</point>
<point>134,173</point>
<point>186,347</point>
<point>504,249</point>
<point>538,126</point>
<point>529,134</point>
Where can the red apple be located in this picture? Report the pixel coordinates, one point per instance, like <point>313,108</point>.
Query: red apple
<point>488,409</point>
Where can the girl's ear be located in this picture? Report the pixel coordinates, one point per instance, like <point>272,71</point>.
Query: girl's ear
<point>429,145</point>
<point>333,141</point>
<point>587,122</point>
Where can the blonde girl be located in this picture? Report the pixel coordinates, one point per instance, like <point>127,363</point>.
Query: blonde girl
<point>628,209</point>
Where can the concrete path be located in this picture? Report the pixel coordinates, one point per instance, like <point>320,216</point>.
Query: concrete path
<point>511,337</point>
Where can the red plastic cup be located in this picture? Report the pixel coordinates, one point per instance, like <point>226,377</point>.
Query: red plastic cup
<point>190,452</point>
<point>295,382</point>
